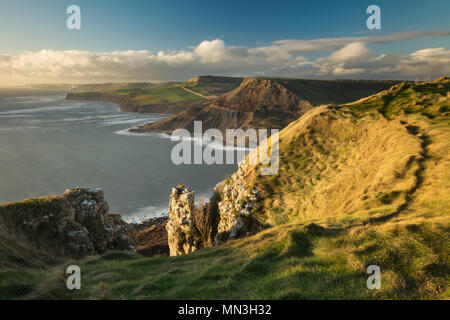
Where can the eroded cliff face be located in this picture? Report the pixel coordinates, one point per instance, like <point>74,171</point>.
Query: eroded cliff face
<point>255,104</point>
<point>126,104</point>
<point>181,230</point>
<point>75,224</point>
<point>256,93</point>
<point>237,205</point>
<point>233,216</point>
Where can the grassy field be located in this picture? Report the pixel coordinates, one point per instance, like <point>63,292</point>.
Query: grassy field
<point>366,183</point>
<point>164,95</point>
<point>141,94</point>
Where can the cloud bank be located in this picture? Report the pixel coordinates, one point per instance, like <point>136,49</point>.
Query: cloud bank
<point>347,57</point>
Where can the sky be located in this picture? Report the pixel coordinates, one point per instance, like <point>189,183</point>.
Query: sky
<point>175,40</point>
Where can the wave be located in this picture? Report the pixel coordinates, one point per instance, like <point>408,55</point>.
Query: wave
<point>207,143</point>
<point>16,116</point>
<point>30,99</point>
<point>127,132</point>
<point>124,121</point>
<point>18,128</point>
<point>146,213</point>
<point>199,141</point>
<point>34,110</point>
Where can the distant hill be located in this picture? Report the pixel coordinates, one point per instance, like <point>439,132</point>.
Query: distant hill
<point>170,97</point>
<point>319,92</point>
<point>174,97</point>
<point>256,103</point>
<point>269,103</point>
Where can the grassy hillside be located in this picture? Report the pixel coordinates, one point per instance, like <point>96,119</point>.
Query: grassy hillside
<point>319,92</point>
<point>164,95</point>
<point>290,262</point>
<point>363,160</point>
<point>359,184</point>
<point>213,85</point>
<point>144,94</point>
<point>256,103</point>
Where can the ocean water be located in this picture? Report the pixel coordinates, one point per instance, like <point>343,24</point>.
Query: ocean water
<point>48,144</point>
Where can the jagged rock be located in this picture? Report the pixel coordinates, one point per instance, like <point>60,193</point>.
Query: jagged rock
<point>75,224</point>
<point>181,231</point>
<point>236,207</point>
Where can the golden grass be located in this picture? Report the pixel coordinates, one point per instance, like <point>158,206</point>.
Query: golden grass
<point>358,162</point>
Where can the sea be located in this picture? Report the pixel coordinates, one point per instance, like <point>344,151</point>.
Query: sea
<point>49,144</point>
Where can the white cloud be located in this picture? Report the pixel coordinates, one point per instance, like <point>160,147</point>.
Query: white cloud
<point>349,57</point>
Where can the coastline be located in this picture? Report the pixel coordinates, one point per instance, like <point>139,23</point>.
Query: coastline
<point>125,104</point>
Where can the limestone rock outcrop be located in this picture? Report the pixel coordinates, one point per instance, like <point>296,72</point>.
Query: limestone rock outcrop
<point>75,224</point>
<point>181,231</point>
<point>231,214</point>
<point>237,205</point>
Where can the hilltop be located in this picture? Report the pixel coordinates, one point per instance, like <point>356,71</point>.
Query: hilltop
<point>263,103</point>
<point>362,183</point>
<point>213,85</point>
<point>358,161</point>
<point>256,103</point>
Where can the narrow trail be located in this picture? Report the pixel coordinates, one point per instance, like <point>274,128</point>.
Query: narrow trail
<point>199,94</point>
<point>419,173</point>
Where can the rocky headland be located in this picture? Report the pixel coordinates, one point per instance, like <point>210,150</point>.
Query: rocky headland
<point>126,103</point>
<point>256,103</point>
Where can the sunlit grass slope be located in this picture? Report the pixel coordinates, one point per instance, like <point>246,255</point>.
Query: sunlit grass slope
<point>362,161</point>
<point>361,184</point>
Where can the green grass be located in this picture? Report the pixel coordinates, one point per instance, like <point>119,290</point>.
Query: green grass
<point>164,95</point>
<point>289,262</point>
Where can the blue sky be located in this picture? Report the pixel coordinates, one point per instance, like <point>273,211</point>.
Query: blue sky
<point>172,25</point>
<point>112,25</point>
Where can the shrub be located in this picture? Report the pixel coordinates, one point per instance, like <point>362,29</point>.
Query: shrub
<point>206,218</point>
